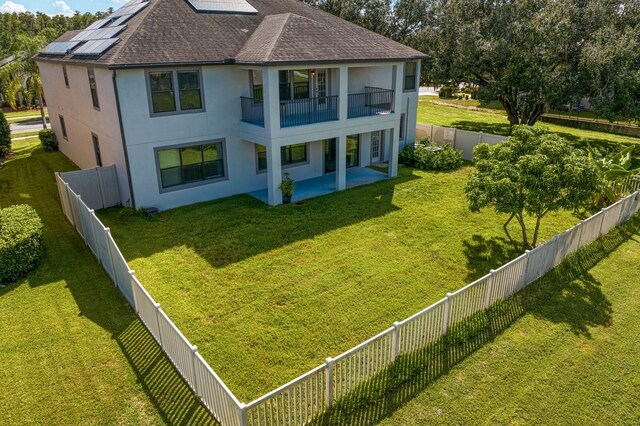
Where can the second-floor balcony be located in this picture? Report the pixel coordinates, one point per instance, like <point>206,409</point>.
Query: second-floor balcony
<point>373,101</point>
<point>297,112</point>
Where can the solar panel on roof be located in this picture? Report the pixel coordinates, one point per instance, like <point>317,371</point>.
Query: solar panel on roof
<point>59,48</point>
<point>121,20</point>
<point>95,47</point>
<point>129,10</point>
<point>222,6</point>
<point>98,24</point>
<point>99,34</point>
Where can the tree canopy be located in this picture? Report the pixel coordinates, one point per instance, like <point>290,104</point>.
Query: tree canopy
<point>531,174</point>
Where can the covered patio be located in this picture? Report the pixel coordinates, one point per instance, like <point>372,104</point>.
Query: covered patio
<point>326,184</point>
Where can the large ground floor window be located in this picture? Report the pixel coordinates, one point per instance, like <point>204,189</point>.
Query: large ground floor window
<point>190,164</point>
<point>290,155</point>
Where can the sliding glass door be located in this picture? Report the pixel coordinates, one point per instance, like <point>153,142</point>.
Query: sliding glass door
<point>352,154</point>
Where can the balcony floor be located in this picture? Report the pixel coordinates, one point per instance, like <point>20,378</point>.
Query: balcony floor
<point>326,184</point>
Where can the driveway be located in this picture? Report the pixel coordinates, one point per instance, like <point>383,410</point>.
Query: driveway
<point>27,126</point>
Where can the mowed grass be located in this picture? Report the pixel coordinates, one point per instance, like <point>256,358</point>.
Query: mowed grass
<point>72,350</point>
<point>11,115</point>
<point>493,119</point>
<point>268,293</point>
<point>566,353</point>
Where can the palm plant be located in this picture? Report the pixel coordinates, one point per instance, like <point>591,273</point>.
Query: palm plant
<point>615,172</point>
<point>23,70</point>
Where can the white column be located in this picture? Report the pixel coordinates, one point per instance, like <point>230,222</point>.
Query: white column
<point>398,87</point>
<point>274,175</point>
<point>394,151</point>
<point>341,163</point>
<point>343,88</point>
<point>271,95</point>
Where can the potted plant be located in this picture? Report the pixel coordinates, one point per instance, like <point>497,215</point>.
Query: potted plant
<point>286,186</point>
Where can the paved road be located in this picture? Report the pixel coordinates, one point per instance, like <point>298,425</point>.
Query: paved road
<point>28,126</point>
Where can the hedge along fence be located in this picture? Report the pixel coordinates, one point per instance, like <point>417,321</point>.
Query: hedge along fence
<point>21,242</point>
<point>309,396</point>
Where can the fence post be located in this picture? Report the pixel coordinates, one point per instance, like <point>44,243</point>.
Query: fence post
<point>158,324</point>
<point>82,234</point>
<point>581,224</point>
<point>196,387</point>
<point>603,214</point>
<point>73,217</point>
<point>432,134</point>
<point>329,382</point>
<point>455,136</point>
<point>447,314</point>
<point>107,233</point>
<point>487,296</point>
<point>92,214</point>
<point>395,341</point>
<point>242,414</point>
<point>479,138</point>
<point>526,269</point>
<point>133,291</point>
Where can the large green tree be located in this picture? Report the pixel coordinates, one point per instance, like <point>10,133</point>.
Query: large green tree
<point>532,54</point>
<point>529,175</point>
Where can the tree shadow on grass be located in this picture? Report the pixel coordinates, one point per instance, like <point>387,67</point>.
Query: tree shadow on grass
<point>569,294</point>
<point>484,254</point>
<point>30,180</point>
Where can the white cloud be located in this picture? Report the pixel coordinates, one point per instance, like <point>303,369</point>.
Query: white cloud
<point>11,7</point>
<point>64,7</point>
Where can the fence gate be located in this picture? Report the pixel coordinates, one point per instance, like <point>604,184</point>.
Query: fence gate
<point>98,187</point>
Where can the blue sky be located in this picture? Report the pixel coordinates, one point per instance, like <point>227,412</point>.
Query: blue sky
<point>57,7</point>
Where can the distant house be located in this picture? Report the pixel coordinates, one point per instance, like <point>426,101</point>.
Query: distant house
<point>196,100</point>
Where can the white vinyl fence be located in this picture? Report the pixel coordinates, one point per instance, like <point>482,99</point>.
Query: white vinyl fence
<point>98,187</point>
<point>202,380</point>
<point>308,396</point>
<point>463,140</point>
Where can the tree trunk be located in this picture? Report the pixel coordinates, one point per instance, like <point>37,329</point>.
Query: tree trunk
<point>525,239</point>
<point>537,230</point>
<point>506,231</point>
<point>528,116</point>
<point>41,105</point>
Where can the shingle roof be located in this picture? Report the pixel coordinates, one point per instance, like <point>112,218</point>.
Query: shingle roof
<point>283,31</point>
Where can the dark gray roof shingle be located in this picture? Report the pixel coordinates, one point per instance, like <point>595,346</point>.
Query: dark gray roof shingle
<point>283,31</point>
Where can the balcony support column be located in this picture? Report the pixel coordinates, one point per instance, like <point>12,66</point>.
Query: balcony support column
<point>271,97</point>
<point>343,87</point>
<point>274,175</point>
<point>341,163</point>
<point>394,151</point>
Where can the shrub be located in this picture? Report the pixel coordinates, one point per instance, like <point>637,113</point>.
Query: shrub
<point>48,139</point>
<point>21,242</point>
<point>426,156</point>
<point>5,136</point>
<point>447,91</point>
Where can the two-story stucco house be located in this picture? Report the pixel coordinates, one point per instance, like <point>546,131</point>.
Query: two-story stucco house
<point>197,100</point>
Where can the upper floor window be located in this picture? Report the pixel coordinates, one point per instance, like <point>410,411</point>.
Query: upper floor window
<point>410,76</point>
<point>65,75</point>
<point>257,87</point>
<point>294,84</point>
<point>63,127</point>
<point>94,89</point>
<point>191,164</point>
<point>175,91</point>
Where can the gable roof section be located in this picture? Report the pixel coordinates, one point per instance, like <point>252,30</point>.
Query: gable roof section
<point>171,32</point>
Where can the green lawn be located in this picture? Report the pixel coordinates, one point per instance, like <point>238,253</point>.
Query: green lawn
<point>72,350</point>
<point>565,353</point>
<point>493,120</point>
<point>268,293</point>
<point>13,115</point>
<point>22,135</point>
